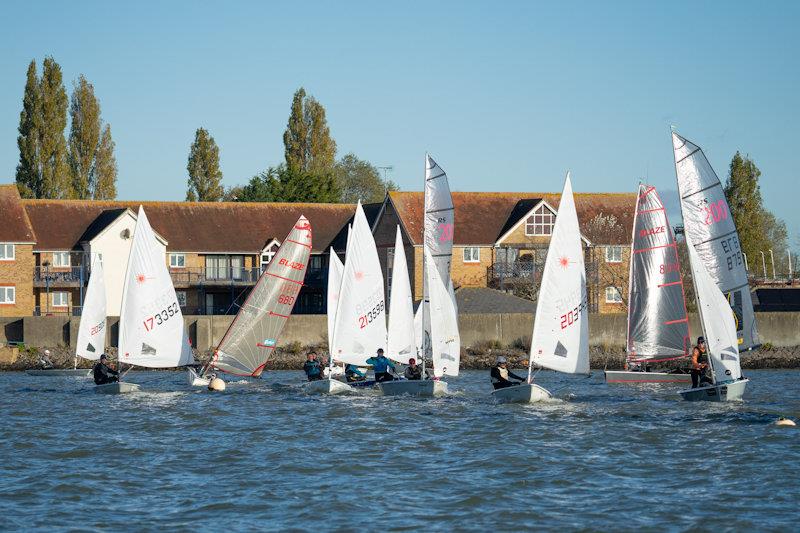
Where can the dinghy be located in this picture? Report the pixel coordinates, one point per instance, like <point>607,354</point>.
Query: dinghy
<point>151,328</point>
<point>91,340</point>
<point>253,335</point>
<point>658,324</point>
<point>359,323</point>
<point>560,339</point>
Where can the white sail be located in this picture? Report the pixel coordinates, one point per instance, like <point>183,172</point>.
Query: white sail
<point>151,330</point>
<point>335,271</point>
<point>445,338</point>
<point>253,334</point>
<point>92,330</point>
<point>560,339</point>
<point>400,343</point>
<point>360,327</point>
<point>709,222</point>
<point>718,321</point>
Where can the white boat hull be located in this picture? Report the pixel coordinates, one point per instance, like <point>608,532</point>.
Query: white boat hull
<point>426,388</point>
<point>327,386</point>
<point>195,380</point>
<point>121,387</point>
<point>525,393</point>
<point>723,392</point>
<point>55,372</point>
<point>626,376</point>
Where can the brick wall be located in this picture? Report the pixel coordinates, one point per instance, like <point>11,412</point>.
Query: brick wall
<point>612,274</point>
<point>19,274</point>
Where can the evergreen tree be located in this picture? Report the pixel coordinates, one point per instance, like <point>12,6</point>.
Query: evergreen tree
<point>55,182</point>
<point>281,184</point>
<point>84,137</point>
<point>105,168</point>
<point>307,140</point>
<point>205,177</point>
<point>28,176</point>
<point>360,180</point>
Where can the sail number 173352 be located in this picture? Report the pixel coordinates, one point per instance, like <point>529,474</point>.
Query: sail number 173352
<point>161,316</point>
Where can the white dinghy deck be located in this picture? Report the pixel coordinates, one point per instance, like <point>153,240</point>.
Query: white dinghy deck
<point>718,392</point>
<point>121,387</point>
<point>525,393</point>
<point>195,380</point>
<point>427,388</point>
<point>58,372</point>
<point>632,377</point>
<point>328,386</point>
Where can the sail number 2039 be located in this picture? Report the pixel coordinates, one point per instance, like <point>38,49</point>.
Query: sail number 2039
<point>161,316</point>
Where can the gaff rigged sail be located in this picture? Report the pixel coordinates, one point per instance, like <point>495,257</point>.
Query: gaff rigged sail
<point>253,334</point>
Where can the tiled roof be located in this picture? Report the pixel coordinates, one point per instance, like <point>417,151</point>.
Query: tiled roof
<point>187,226</point>
<point>483,217</point>
<point>14,223</point>
<point>476,300</point>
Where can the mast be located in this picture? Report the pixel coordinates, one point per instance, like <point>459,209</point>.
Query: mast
<point>629,347</point>
<point>424,206</point>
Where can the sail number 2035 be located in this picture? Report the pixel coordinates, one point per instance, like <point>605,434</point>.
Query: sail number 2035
<point>161,316</point>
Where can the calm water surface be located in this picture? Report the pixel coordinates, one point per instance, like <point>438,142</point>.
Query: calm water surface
<point>263,455</point>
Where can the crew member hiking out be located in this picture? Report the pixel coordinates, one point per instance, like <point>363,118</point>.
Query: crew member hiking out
<point>381,365</point>
<point>312,368</point>
<point>500,374</point>
<point>103,373</point>
<point>699,364</point>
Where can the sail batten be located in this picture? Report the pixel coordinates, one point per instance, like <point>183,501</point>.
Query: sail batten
<point>253,335</point>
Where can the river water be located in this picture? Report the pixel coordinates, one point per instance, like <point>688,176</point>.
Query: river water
<point>265,456</point>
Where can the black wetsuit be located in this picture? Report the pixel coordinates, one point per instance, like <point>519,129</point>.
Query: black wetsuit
<point>313,370</point>
<point>499,382</point>
<point>699,376</point>
<point>413,373</point>
<point>103,374</point>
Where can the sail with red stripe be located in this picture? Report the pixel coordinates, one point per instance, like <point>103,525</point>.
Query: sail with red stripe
<point>658,325</point>
<point>253,334</point>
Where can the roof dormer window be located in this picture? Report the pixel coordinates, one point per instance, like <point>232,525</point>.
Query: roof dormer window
<point>541,222</point>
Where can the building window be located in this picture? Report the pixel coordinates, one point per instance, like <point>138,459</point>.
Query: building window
<point>177,260</point>
<point>472,254</point>
<point>268,253</point>
<point>389,267</point>
<point>60,299</point>
<point>541,222</point>
<point>613,254</point>
<point>8,295</point>
<point>315,262</point>
<point>613,296</point>
<point>181,298</point>
<point>6,252</point>
<point>61,259</point>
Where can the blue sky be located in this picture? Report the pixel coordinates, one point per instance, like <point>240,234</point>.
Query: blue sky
<point>505,95</point>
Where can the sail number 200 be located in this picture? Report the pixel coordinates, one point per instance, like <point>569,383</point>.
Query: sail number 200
<point>161,316</point>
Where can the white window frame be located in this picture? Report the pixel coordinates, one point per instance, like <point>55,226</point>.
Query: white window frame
<point>9,294</point>
<point>58,263</point>
<point>613,295</point>
<point>268,253</point>
<point>181,295</point>
<point>7,251</point>
<point>540,229</point>
<point>60,294</point>
<point>174,260</point>
<point>613,254</point>
<point>471,254</point>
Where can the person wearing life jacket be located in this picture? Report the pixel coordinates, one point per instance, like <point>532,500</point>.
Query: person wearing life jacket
<point>352,373</point>
<point>102,373</point>
<point>381,365</point>
<point>700,364</point>
<point>44,360</point>
<point>413,370</point>
<point>500,374</point>
<point>312,368</point>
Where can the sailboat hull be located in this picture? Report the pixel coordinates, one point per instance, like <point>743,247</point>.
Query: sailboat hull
<point>121,387</point>
<point>195,380</point>
<point>625,376</point>
<point>424,388</point>
<point>327,386</point>
<point>526,393</point>
<point>55,372</point>
<point>723,392</point>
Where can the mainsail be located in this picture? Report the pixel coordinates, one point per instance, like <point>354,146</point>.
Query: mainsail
<point>360,327</point>
<point>335,271</point>
<point>151,329</point>
<point>445,338</point>
<point>92,330</point>
<point>658,325</point>
<point>253,334</point>
<point>709,224</point>
<point>560,339</point>
<point>400,344</point>
<point>717,320</point>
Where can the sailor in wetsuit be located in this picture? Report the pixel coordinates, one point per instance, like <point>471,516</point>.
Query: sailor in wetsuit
<point>103,373</point>
<point>352,373</point>
<point>700,364</point>
<point>413,370</point>
<point>500,374</point>
<point>312,368</point>
<point>381,365</point>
